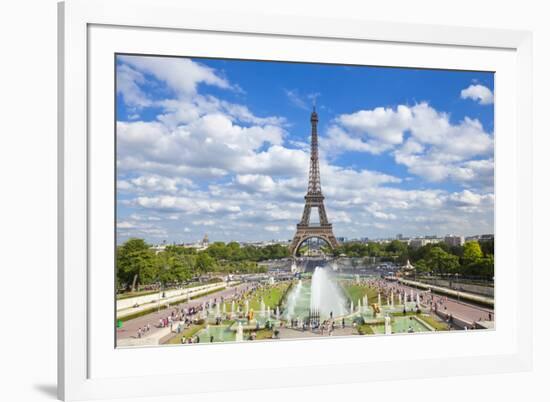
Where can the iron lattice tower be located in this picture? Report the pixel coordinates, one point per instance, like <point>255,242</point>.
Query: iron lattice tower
<point>314,199</point>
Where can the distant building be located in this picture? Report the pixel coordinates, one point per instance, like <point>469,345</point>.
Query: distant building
<point>399,236</point>
<point>422,241</point>
<point>200,245</point>
<point>483,237</point>
<point>453,240</point>
<point>158,248</point>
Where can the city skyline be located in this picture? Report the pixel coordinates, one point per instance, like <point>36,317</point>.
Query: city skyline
<point>200,239</point>
<point>222,147</point>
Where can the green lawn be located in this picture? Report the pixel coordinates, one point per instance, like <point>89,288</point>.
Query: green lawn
<point>437,324</point>
<point>365,329</point>
<point>272,297</point>
<point>187,333</point>
<point>400,313</point>
<point>356,292</point>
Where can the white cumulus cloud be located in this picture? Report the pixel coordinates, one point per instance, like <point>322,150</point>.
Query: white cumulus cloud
<point>479,93</point>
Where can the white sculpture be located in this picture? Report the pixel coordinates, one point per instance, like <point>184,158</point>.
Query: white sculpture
<point>387,325</point>
<point>239,334</point>
<point>262,308</point>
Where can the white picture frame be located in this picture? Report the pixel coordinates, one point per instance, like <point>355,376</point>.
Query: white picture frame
<point>89,366</point>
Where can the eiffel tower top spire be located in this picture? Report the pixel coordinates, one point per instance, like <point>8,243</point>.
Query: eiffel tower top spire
<point>314,184</point>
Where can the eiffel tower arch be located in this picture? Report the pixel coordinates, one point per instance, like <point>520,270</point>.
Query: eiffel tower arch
<point>314,199</point>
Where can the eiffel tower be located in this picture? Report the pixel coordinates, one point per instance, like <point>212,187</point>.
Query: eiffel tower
<point>314,199</point>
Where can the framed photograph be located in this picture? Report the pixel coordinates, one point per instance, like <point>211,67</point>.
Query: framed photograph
<point>289,200</point>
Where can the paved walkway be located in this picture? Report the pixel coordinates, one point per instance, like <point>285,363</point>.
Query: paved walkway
<point>459,309</point>
<point>130,327</point>
<point>174,296</point>
<point>465,296</point>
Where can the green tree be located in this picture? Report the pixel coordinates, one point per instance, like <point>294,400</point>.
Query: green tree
<point>421,267</point>
<point>472,252</point>
<point>374,250</point>
<point>135,263</point>
<point>486,266</point>
<point>483,267</point>
<point>204,262</point>
<point>488,247</point>
<point>441,262</point>
<point>173,267</point>
<point>396,247</point>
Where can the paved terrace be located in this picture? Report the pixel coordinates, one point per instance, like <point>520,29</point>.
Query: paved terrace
<point>125,307</point>
<point>130,327</point>
<point>461,310</point>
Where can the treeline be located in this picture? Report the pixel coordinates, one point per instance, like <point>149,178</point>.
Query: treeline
<point>138,265</point>
<point>234,252</point>
<point>384,251</point>
<point>473,259</point>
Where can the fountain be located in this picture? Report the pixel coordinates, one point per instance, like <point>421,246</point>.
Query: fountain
<point>391,299</point>
<point>351,307</point>
<point>246,307</point>
<point>277,313</point>
<point>262,308</point>
<point>239,335</point>
<point>232,308</point>
<point>217,310</point>
<point>359,305</point>
<point>223,308</point>
<point>293,299</point>
<point>379,299</point>
<point>387,325</point>
<point>326,296</point>
<point>418,299</point>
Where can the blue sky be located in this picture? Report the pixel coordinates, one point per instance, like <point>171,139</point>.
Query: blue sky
<point>222,146</point>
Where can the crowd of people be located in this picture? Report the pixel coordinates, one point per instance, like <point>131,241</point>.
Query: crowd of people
<point>182,317</point>
<point>437,304</point>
